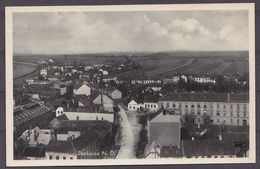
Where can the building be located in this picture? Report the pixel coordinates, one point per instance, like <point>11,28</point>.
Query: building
<point>79,140</point>
<point>151,103</point>
<point>31,115</point>
<point>44,72</point>
<point>81,89</point>
<point>105,101</point>
<point>134,106</point>
<point>113,92</point>
<point>164,129</point>
<point>223,108</point>
<point>85,113</point>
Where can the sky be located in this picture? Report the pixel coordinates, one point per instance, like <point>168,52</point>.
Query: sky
<point>136,31</point>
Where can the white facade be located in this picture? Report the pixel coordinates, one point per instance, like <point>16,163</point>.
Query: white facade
<point>43,72</point>
<point>222,113</point>
<point>82,90</point>
<point>151,106</point>
<point>85,115</point>
<point>60,156</point>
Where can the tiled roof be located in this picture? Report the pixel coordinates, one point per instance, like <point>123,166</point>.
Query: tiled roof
<point>206,97</point>
<point>78,125</point>
<point>30,111</point>
<point>151,99</point>
<point>207,147</point>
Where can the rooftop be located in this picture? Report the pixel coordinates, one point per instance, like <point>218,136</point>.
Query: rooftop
<point>30,111</point>
<point>207,97</point>
<point>207,147</point>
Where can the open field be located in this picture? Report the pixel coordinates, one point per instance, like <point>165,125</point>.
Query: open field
<point>157,64</point>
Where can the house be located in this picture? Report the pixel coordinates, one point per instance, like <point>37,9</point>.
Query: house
<point>223,108</point>
<point>151,102</point>
<point>81,89</point>
<point>133,105</point>
<point>105,101</point>
<point>85,113</point>
<point>43,72</point>
<point>164,129</point>
<point>109,78</point>
<point>113,92</point>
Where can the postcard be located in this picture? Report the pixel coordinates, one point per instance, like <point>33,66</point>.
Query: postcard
<point>130,84</point>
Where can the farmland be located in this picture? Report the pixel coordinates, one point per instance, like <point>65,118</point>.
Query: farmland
<point>158,64</point>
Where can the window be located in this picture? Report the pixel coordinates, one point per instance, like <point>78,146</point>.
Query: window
<point>217,105</point>
<point>198,106</point>
<point>244,106</point>
<point>71,158</point>
<point>237,121</point>
<point>168,104</point>
<point>186,106</point>
<point>192,106</point>
<point>180,105</point>
<point>77,117</point>
<point>102,118</point>
<point>173,105</point>
<point>231,113</point>
<point>198,113</point>
<point>50,157</point>
<point>97,118</point>
<point>134,107</point>
<point>238,106</point>
<point>218,114</point>
<point>57,157</point>
<point>154,106</point>
<point>211,106</point>
<point>224,121</point>
<point>205,106</point>
<point>64,158</point>
<point>231,106</point>
<point>130,107</point>
<point>224,106</point>
<point>245,114</point>
<point>231,120</point>
<point>238,114</point>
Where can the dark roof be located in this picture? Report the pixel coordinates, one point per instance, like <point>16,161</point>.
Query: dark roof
<point>170,151</point>
<point>93,108</point>
<point>38,151</point>
<point>151,98</point>
<point>207,147</point>
<point>60,146</point>
<point>78,125</point>
<point>207,97</point>
<point>79,143</point>
<point>109,89</point>
<point>62,117</point>
<point>30,111</point>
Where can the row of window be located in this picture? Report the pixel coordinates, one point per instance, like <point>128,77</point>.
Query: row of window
<point>174,105</point>
<point>232,121</point>
<point>96,118</point>
<point>238,114</point>
<point>58,157</point>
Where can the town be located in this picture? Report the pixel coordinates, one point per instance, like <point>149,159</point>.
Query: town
<point>65,111</point>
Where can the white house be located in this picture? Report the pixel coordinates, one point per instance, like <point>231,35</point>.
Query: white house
<point>133,105</point>
<point>43,72</point>
<point>81,90</point>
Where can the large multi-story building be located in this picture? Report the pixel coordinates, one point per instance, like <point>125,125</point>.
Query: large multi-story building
<point>222,108</point>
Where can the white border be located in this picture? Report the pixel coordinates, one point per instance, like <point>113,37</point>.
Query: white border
<point>250,7</point>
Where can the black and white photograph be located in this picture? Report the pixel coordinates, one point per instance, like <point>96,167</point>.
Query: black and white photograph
<point>130,84</point>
